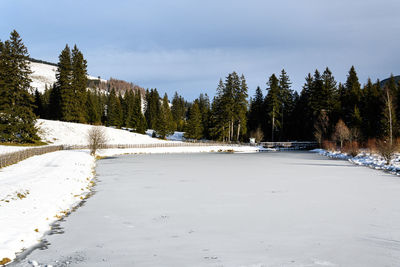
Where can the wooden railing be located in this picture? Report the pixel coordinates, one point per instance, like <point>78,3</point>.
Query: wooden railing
<point>14,157</point>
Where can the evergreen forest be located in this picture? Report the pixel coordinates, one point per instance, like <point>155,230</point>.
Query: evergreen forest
<point>322,110</point>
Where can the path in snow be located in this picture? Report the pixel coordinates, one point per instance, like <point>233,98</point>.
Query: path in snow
<point>266,209</point>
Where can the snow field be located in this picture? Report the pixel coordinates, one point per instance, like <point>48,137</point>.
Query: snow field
<point>38,191</point>
<point>69,133</point>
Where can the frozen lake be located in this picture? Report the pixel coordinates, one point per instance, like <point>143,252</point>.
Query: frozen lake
<point>265,209</point>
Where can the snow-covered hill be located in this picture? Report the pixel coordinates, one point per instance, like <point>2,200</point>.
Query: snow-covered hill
<point>45,74</point>
<point>68,133</point>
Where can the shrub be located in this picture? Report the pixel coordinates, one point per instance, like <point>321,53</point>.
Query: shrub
<point>371,145</point>
<point>329,145</point>
<point>386,149</point>
<point>352,148</point>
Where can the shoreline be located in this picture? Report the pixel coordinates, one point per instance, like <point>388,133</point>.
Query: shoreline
<point>16,243</point>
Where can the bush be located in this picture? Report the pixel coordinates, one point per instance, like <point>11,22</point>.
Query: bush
<point>329,145</point>
<point>371,145</point>
<point>386,149</point>
<point>351,148</point>
<point>96,138</point>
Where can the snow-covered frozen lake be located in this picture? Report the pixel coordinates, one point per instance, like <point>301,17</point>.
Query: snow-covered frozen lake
<point>262,209</point>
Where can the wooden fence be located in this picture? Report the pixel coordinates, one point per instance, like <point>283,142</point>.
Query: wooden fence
<point>14,157</point>
<point>154,145</point>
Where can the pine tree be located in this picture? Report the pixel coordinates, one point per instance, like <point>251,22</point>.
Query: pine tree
<point>352,97</point>
<point>153,108</point>
<point>287,105</point>
<point>273,105</point>
<point>38,104</point>
<point>178,111</point>
<point>17,119</point>
<point>219,118</point>
<point>256,112</point>
<point>79,84</point>
<point>240,108</point>
<point>165,125</point>
<point>114,110</point>
<point>140,121</point>
<point>205,109</point>
<point>194,129</point>
<point>371,109</point>
<point>64,86</point>
<point>93,114</point>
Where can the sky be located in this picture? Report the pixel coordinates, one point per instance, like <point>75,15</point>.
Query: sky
<point>189,45</point>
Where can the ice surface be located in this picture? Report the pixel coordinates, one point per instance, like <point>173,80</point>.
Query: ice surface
<point>265,209</point>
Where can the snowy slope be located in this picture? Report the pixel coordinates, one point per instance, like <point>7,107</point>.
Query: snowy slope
<point>59,132</point>
<point>45,74</point>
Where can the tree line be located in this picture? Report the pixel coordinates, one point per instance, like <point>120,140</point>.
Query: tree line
<point>323,110</point>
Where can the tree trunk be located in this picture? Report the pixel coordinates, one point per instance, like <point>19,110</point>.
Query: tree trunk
<point>238,132</point>
<point>273,127</point>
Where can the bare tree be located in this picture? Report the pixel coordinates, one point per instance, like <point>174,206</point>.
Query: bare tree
<point>342,133</point>
<point>96,138</point>
<point>388,114</point>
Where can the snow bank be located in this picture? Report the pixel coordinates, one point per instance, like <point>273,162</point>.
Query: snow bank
<point>68,133</point>
<point>167,150</point>
<point>363,159</point>
<point>36,192</point>
<point>10,149</point>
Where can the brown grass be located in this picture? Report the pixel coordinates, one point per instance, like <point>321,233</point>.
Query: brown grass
<point>4,261</point>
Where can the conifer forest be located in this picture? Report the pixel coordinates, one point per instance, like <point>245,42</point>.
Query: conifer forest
<point>323,110</point>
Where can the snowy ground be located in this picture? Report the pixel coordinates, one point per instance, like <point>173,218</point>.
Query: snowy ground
<point>373,161</point>
<point>59,132</point>
<point>45,75</point>
<point>263,209</point>
<point>36,192</point>
<point>10,149</point>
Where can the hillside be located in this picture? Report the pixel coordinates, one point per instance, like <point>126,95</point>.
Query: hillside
<point>69,133</point>
<point>396,78</point>
<point>44,74</point>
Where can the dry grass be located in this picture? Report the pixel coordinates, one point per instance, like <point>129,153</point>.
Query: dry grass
<point>4,261</point>
<point>371,145</point>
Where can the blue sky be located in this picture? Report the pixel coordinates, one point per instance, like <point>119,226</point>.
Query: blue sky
<point>187,46</point>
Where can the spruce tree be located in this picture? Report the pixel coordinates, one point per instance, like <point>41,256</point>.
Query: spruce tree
<point>178,111</point>
<point>352,97</point>
<point>64,86</point>
<point>17,119</point>
<point>165,125</point>
<point>140,121</point>
<point>79,84</point>
<point>204,107</point>
<point>256,112</point>
<point>194,129</point>
<point>273,105</point>
<point>287,105</point>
